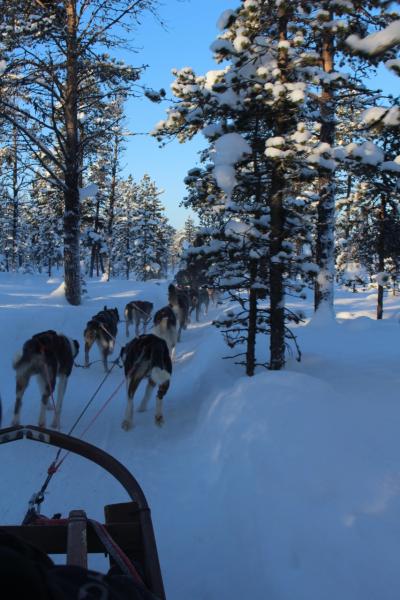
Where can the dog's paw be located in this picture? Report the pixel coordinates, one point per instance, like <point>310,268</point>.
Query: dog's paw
<point>159,420</point>
<point>55,424</point>
<point>126,425</point>
<point>42,423</point>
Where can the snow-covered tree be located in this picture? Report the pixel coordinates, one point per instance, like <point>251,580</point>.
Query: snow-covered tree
<point>57,71</point>
<point>252,114</point>
<point>149,230</point>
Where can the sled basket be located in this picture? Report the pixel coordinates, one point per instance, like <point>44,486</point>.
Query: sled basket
<point>127,524</point>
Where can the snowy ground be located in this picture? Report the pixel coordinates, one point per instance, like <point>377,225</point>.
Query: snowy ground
<point>285,486</point>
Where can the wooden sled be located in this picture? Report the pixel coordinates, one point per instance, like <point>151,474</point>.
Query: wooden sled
<point>127,524</point>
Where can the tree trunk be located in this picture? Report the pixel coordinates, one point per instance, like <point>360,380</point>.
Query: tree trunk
<point>252,327</point>
<point>381,255</point>
<point>15,217</point>
<point>325,258</point>
<point>72,272</point>
<point>277,220</point>
<point>94,257</point>
<point>92,260</point>
<point>111,205</point>
<point>277,313</point>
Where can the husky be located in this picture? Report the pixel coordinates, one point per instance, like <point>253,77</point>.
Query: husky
<point>214,296</point>
<point>136,312</point>
<point>199,298</point>
<point>179,302</point>
<point>204,299</point>
<point>103,329</point>
<point>164,327</point>
<point>48,355</point>
<point>146,357</point>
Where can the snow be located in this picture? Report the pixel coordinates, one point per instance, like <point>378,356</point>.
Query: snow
<point>284,485</point>
<point>382,278</point>
<point>377,42</point>
<point>389,116</point>
<point>224,19</point>
<point>228,150</point>
<point>368,152</point>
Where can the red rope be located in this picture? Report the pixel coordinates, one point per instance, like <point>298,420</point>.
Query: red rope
<point>55,466</point>
<point>116,552</point>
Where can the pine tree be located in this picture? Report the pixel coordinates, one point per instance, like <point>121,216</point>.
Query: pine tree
<point>148,230</point>
<point>56,71</point>
<point>252,114</point>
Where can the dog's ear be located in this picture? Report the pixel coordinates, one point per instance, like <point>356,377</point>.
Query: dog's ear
<point>105,308</point>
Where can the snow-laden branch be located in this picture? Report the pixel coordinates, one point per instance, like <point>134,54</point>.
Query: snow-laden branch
<point>378,42</point>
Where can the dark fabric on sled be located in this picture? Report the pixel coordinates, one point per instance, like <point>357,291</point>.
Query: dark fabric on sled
<point>27,573</point>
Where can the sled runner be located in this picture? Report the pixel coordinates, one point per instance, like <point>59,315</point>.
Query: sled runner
<point>127,535</point>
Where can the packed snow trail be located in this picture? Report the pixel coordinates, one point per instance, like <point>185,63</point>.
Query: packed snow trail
<point>285,485</point>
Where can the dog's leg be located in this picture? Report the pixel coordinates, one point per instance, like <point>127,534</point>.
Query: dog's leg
<point>173,353</point>
<point>87,348</point>
<point>21,385</point>
<point>147,395</point>
<point>105,356</point>
<point>162,390</point>
<point>62,385</point>
<point>45,390</point>
<point>131,387</point>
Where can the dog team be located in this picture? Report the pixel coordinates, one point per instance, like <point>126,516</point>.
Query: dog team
<point>50,355</point>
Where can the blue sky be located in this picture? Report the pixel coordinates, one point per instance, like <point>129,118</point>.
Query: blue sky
<point>191,28</point>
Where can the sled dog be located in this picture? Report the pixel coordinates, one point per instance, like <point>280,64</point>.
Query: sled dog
<point>179,302</point>
<point>164,326</point>
<point>48,355</point>
<point>102,329</point>
<point>137,312</point>
<point>146,357</point>
<point>199,298</point>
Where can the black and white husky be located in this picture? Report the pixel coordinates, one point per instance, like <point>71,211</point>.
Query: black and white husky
<point>48,355</point>
<point>179,302</point>
<point>165,327</point>
<point>146,357</point>
<point>137,311</point>
<point>102,329</point>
